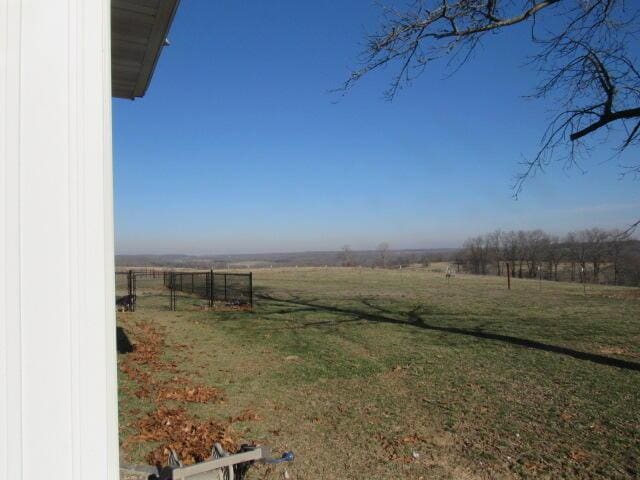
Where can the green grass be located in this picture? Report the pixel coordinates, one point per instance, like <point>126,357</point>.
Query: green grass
<point>356,369</point>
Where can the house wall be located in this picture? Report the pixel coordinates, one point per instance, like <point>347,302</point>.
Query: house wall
<point>58,397</point>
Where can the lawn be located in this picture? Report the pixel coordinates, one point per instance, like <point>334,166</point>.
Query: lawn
<point>392,374</point>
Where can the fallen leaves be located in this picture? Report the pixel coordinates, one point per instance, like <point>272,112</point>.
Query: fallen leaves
<point>567,416</point>
<point>172,427</point>
<point>194,393</point>
<point>578,455</point>
<point>175,429</point>
<point>394,447</point>
<point>245,416</point>
<point>147,352</point>
<point>612,351</point>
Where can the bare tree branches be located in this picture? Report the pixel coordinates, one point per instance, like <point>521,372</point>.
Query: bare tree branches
<point>583,56</point>
<point>596,254</point>
<point>601,90</point>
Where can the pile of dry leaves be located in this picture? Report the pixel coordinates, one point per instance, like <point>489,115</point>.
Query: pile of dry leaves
<point>191,439</point>
<point>172,427</point>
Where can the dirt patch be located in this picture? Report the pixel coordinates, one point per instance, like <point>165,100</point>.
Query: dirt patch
<point>615,350</point>
<point>245,416</point>
<point>394,446</point>
<point>192,393</point>
<point>622,294</point>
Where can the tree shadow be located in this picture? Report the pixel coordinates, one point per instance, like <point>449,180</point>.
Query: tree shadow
<point>414,318</point>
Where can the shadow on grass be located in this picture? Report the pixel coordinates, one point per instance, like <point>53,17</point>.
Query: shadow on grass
<point>123,344</point>
<point>414,319</point>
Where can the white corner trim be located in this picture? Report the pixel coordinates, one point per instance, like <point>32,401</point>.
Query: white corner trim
<point>10,341</point>
<point>58,389</point>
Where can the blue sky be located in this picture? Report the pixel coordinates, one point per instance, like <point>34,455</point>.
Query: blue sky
<point>238,147</point>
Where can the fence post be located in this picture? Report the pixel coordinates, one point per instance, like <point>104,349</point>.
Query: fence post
<point>225,287</point>
<point>508,275</point>
<point>211,288</point>
<point>539,278</point>
<point>134,297</point>
<point>172,285</point>
<point>251,289</point>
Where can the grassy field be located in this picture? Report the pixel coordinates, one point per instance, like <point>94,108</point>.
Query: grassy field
<point>394,374</point>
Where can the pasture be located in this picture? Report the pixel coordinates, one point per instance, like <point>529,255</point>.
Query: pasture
<point>370,373</point>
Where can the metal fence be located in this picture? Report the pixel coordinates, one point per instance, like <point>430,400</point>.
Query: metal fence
<point>126,290</point>
<point>230,288</point>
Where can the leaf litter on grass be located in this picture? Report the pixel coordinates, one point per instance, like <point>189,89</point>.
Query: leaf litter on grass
<point>171,427</point>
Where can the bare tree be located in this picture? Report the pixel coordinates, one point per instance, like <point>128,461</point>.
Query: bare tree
<point>383,251</point>
<point>554,254</point>
<point>523,250</point>
<point>617,241</point>
<point>476,254</point>
<point>536,243</point>
<point>583,56</point>
<point>510,249</point>
<point>494,244</point>
<point>596,241</point>
<point>629,271</point>
<point>603,255</point>
<point>346,256</point>
<point>577,250</point>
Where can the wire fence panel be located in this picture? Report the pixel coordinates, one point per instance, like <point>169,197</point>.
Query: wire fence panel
<point>239,288</point>
<point>229,288</point>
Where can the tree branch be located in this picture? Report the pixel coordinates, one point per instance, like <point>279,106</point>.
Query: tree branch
<point>604,120</point>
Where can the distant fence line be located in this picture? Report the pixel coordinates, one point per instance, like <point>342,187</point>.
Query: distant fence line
<point>143,272</point>
<point>230,288</point>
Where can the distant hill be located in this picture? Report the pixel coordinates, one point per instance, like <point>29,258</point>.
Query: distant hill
<point>261,260</point>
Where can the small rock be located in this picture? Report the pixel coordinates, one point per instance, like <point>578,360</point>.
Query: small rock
<point>292,358</point>
<point>415,455</point>
<point>286,474</point>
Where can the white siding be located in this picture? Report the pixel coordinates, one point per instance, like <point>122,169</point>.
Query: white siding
<point>58,397</point>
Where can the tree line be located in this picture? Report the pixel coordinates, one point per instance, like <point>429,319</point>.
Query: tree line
<point>592,255</point>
